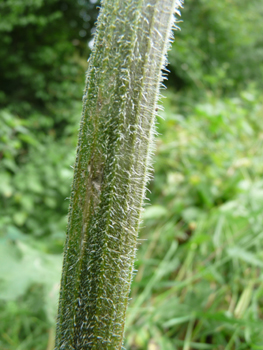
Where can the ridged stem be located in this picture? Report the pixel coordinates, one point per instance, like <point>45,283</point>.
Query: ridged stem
<point>111,171</point>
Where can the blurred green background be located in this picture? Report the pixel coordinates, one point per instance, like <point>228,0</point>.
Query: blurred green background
<point>199,283</point>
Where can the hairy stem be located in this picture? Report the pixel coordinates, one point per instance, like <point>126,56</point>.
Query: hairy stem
<point>111,171</point>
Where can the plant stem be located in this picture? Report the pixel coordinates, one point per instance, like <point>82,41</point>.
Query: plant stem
<point>111,171</point>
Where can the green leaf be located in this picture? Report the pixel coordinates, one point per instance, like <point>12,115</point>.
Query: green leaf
<point>154,212</point>
<point>21,266</point>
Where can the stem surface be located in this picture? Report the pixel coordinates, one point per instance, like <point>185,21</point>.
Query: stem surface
<point>111,171</point>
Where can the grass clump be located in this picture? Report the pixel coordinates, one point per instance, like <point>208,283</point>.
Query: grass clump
<point>199,281</point>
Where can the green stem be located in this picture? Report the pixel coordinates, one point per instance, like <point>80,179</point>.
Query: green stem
<point>111,171</point>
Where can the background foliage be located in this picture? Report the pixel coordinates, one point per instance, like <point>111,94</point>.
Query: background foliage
<point>199,280</point>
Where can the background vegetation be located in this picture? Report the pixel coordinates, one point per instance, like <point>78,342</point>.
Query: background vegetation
<point>199,283</point>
